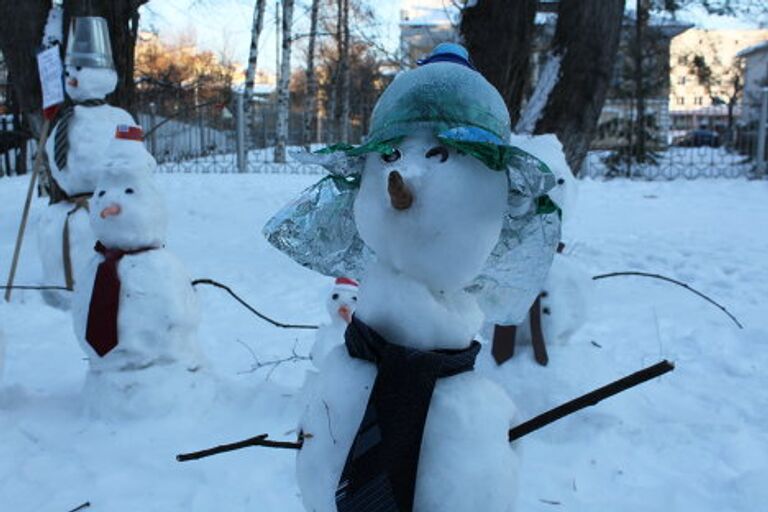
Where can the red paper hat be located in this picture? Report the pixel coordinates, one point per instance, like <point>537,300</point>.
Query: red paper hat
<point>346,283</point>
<point>128,132</point>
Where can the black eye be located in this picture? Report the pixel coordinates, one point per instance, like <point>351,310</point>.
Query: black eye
<point>442,151</point>
<point>354,298</point>
<point>394,156</point>
<point>79,68</point>
<point>66,73</point>
<point>129,191</point>
<point>335,296</point>
<point>101,194</point>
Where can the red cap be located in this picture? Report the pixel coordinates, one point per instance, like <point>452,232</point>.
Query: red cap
<point>346,281</point>
<point>128,132</point>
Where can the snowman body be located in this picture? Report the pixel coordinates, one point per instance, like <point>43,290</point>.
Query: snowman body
<point>2,355</point>
<point>91,130</point>
<point>413,296</point>
<point>156,361</point>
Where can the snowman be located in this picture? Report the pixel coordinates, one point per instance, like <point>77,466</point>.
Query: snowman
<point>442,209</point>
<point>78,152</point>
<point>136,314</point>
<point>341,304</point>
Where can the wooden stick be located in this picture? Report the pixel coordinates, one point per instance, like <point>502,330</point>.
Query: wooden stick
<point>27,205</point>
<point>260,440</point>
<point>678,283</point>
<point>592,398</point>
<point>81,507</point>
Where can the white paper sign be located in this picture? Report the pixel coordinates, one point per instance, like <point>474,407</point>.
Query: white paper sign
<point>51,76</point>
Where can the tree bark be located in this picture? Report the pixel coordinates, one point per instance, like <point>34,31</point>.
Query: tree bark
<point>21,31</point>
<point>641,22</point>
<point>586,40</point>
<point>310,100</point>
<point>283,88</point>
<point>253,55</point>
<point>499,36</point>
<point>344,74</point>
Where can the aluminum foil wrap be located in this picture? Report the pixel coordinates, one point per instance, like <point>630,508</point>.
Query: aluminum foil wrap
<point>318,231</point>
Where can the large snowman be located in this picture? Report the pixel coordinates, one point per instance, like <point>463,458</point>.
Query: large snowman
<point>135,313</point>
<point>443,211</point>
<point>78,152</point>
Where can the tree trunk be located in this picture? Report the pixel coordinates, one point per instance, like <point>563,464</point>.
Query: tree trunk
<point>499,36</point>
<point>123,20</point>
<point>641,23</point>
<point>253,55</point>
<point>21,31</point>
<point>310,99</point>
<point>283,87</point>
<point>344,74</point>
<point>586,41</point>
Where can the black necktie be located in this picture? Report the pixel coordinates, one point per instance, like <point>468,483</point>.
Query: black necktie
<point>61,141</point>
<point>379,474</point>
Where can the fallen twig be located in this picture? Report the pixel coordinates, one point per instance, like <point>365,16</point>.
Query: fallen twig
<point>34,287</point>
<point>81,507</point>
<point>275,363</point>
<point>591,398</point>
<point>260,440</point>
<point>674,281</point>
<point>250,308</point>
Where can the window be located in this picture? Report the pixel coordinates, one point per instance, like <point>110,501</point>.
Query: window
<point>682,60</point>
<point>681,100</point>
<point>681,80</point>
<point>698,100</point>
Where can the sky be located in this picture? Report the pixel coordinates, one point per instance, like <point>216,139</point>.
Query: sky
<point>223,26</point>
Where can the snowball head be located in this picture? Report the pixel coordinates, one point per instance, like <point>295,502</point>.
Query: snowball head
<point>453,223</point>
<point>341,304</point>
<point>84,83</point>
<point>128,211</point>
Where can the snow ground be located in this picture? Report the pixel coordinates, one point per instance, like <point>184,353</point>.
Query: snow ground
<point>692,440</point>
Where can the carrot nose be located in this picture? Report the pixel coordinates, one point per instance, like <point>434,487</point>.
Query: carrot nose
<point>399,195</point>
<point>111,210</point>
<point>73,82</point>
<point>345,313</point>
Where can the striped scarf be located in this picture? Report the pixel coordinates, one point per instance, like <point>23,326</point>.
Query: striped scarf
<point>61,140</point>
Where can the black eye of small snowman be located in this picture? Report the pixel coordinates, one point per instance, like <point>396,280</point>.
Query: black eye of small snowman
<point>354,298</point>
<point>79,68</point>
<point>394,156</point>
<point>335,296</point>
<point>129,191</point>
<point>101,193</point>
<point>442,151</point>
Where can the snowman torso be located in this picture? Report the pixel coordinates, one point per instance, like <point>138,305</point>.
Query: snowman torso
<point>158,314</point>
<point>91,131</point>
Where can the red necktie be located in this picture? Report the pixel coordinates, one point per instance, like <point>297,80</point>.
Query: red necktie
<point>101,331</point>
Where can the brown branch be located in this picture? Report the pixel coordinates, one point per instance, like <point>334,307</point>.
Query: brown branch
<point>591,398</point>
<point>673,281</point>
<point>81,507</point>
<point>250,308</point>
<point>260,440</point>
<point>35,287</point>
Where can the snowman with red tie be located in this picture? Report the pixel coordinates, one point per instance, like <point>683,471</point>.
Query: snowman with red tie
<point>136,314</point>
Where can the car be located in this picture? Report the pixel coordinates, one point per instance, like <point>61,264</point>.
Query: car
<point>698,138</point>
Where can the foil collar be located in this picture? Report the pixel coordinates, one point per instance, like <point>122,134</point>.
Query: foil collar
<point>318,231</point>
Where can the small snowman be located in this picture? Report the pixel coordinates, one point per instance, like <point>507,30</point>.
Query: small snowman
<point>396,419</point>
<point>136,314</point>
<point>341,304</point>
<point>78,152</point>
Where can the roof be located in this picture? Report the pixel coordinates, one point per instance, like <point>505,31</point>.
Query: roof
<point>757,48</point>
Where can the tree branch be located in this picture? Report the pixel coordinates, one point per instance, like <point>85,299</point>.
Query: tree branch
<point>674,281</point>
<point>260,440</point>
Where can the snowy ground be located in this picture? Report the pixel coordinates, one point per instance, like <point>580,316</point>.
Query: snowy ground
<point>693,440</point>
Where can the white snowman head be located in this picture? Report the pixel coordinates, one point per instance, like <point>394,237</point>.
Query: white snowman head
<point>88,83</point>
<point>89,68</point>
<point>342,300</point>
<point>430,211</point>
<point>127,210</point>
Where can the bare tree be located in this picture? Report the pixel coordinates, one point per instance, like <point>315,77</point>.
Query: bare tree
<point>310,101</point>
<point>344,77</point>
<point>283,86</point>
<point>253,55</point>
<point>587,64</point>
<point>499,36</point>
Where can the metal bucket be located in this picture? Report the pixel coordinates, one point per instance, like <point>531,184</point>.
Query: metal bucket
<point>88,43</point>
